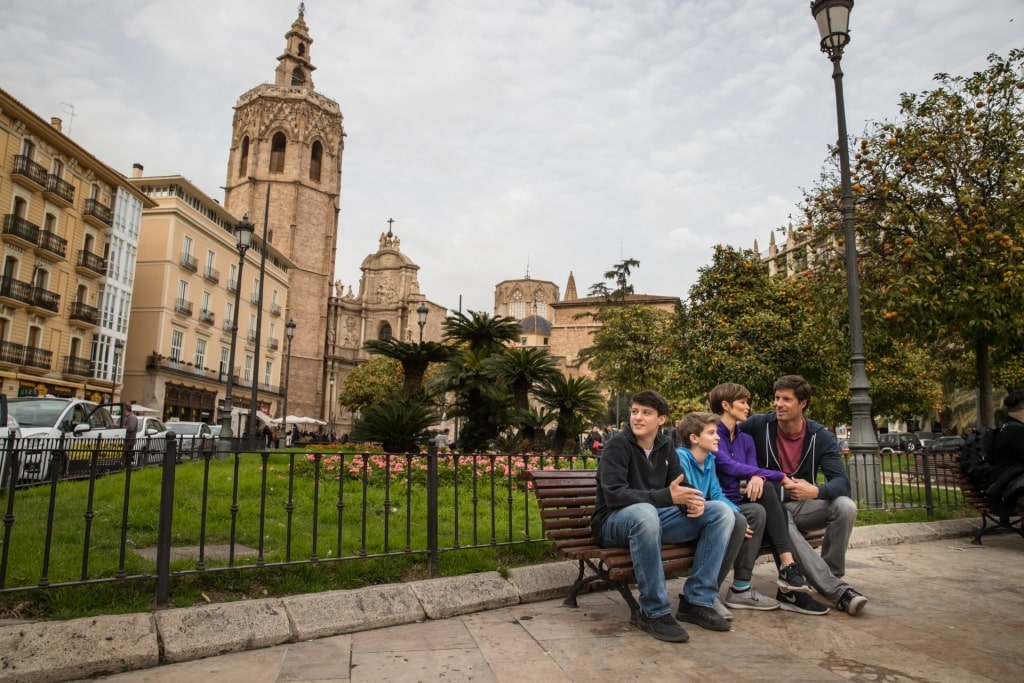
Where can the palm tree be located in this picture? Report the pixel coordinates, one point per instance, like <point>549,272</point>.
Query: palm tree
<point>481,332</point>
<point>399,423</point>
<point>480,398</point>
<point>578,401</point>
<point>414,357</point>
<point>523,369</point>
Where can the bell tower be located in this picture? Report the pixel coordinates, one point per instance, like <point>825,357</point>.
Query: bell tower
<point>287,142</point>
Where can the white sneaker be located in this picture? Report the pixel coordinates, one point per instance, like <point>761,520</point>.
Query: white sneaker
<point>750,599</point>
<point>722,610</point>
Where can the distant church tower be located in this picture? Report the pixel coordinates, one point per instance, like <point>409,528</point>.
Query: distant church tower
<point>289,138</point>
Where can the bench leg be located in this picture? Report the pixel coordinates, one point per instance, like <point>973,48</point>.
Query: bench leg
<point>577,586</point>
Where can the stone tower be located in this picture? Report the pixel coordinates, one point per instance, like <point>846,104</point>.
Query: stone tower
<point>287,140</point>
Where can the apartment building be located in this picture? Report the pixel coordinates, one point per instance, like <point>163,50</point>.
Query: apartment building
<point>183,308</point>
<point>69,228</point>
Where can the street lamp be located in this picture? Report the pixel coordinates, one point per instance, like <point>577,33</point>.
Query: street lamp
<point>118,354</point>
<point>330,408</point>
<point>833,18</point>
<point>421,314</point>
<point>243,235</point>
<point>289,332</point>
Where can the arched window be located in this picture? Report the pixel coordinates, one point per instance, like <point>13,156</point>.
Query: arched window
<point>243,157</point>
<point>315,157</point>
<point>20,207</point>
<point>277,148</point>
<point>298,77</point>
<point>302,49</point>
<point>385,332</point>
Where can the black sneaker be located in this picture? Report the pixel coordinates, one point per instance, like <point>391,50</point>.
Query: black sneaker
<point>792,581</point>
<point>664,628</point>
<point>705,617</point>
<point>851,602</point>
<point>800,602</point>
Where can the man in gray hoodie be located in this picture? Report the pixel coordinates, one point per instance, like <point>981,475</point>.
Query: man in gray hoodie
<point>801,448</point>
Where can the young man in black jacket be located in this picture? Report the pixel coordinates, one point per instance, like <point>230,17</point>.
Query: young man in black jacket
<point>789,442</point>
<point>642,502</point>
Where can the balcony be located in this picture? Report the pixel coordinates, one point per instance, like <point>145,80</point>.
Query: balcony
<point>77,367</point>
<point>189,262</point>
<point>275,309</point>
<point>272,344</point>
<point>60,190</point>
<point>37,361</point>
<point>15,291</point>
<point>11,354</point>
<point>44,302</point>
<point>156,361</point>
<point>251,336</point>
<point>98,214</point>
<point>211,275</point>
<point>233,286</point>
<point>83,315</point>
<point>183,307</point>
<point>50,243</point>
<point>255,298</point>
<point>28,173</point>
<point>19,231</point>
<point>90,264</point>
<point>206,317</point>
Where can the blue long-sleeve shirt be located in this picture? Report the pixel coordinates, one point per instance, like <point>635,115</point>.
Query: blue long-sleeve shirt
<point>736,460</point>
<point>703,477</point>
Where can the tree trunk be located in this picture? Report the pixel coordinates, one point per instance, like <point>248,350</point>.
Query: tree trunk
<point>983,367</point>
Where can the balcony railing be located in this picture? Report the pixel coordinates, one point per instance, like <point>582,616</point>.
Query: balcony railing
<point>53,243</point>
<point>159,362</point>
<point>38,358</point>
<point>84,312</point>
<point>21,228</point>
<point>10,352</point>
<point>98,211</point>
<point>59,188</point>
<point>254,298</point>
<point>275,309</point>
<point>189,262</point>
<point>25,167</point>
<point>272,344</point>
<point>228,327</point>
<point>251,336</point>
<point>16,289</point>
<point>233,286</point>
<point>44,298</point>
<point>206,317</point>
<point>90,261</point>
<point>212,275</point>
<point>183,306</point>
<point>81,367</point>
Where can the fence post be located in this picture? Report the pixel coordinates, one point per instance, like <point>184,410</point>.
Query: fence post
<point>163,539</point>
<point>432,521</point>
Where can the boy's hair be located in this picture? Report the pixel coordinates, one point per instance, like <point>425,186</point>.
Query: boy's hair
<point>694,424</point>
<point>729,391</point>
<point>1014,399</point>
<point>651,399</point>
<point>801,387</point>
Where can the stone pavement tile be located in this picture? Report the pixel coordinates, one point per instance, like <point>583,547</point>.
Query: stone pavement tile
<point>326,659</point>
<point>535,670</point>
<point>500,638</point>
<point>426,635</point>
<point>255,666</point>
<point>416,666</point>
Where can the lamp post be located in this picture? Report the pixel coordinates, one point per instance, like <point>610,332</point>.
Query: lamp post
<point>289,332</point>
<point>421,314</point>
<point>833,18</point>
<point>118,354</point>
<point>243,235</point>
<point>330,407</point>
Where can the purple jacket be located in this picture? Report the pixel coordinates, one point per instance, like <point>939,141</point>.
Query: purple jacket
<point>736,460</point>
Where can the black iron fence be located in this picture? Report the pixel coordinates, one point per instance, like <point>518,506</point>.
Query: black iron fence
<point>120,507</point>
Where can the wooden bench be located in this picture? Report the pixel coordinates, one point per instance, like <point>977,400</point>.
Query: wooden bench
<point>933,468</point>
<point>566,500</point>
<point>977,499</point>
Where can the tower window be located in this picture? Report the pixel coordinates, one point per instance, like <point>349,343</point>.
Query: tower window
<point>315,157</point>
<point>277,148</point>
<point>298,78</point>
<point>385,332</point>
<point>243,157</point>
<point>302,49</point>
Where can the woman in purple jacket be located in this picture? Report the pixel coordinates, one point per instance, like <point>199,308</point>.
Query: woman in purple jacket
<point>760,503</point>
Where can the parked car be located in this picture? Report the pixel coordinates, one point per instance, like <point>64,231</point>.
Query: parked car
<point>193,438</point>
<point>904,442</point>
<point>945,444</point>
<point>49,422</point>
<point>12,428</point>
<point>150,441</point>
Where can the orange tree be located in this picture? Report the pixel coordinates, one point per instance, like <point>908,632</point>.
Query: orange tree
<point>940,210</point>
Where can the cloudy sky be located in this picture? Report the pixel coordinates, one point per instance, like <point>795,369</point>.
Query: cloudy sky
<point>501,135</point>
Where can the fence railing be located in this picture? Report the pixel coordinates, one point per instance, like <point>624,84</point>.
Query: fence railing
<point>126,503</point>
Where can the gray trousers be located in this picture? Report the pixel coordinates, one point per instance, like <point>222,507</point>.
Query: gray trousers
<point>824,571</point>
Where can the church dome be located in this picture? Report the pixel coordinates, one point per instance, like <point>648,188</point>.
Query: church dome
<point>535,324</point>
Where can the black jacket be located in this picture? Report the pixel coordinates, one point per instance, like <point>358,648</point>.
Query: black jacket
<point>625,475</point>
<point>820,453</point>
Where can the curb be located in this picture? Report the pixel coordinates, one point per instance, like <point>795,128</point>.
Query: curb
<point>59,651</point>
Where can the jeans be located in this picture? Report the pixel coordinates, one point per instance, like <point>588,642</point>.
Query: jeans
<point>836,516</point>
<point>642,528</point>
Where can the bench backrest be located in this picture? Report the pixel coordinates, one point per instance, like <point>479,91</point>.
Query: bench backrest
<point>566,501</point>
